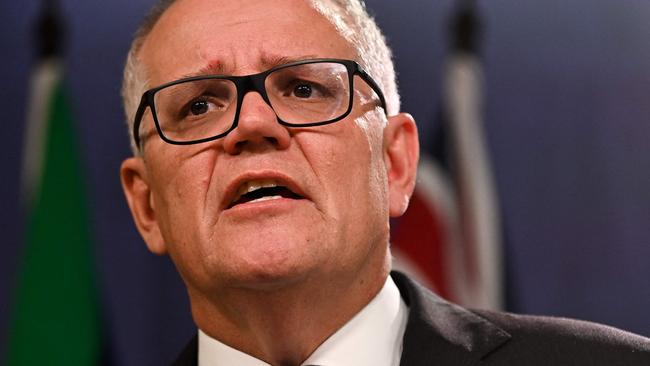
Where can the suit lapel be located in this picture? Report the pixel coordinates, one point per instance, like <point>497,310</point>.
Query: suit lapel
<point>190,354</point>
<point>440,333</point>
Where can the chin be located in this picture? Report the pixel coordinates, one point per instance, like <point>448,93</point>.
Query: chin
<point>273,281</point>
<point>268,276</point>
<point>268,266</point>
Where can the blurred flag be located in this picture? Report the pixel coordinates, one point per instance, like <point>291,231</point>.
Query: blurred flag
<point>450,237</point>
<point>55,315</point>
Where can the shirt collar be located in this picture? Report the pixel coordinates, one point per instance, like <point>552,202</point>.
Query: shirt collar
<point>373,337</point>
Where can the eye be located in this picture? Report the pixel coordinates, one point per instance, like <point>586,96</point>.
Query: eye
<point>302,90</point>
<point>199,107</point>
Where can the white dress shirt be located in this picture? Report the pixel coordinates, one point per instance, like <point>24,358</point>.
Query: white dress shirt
<point>373,337</point>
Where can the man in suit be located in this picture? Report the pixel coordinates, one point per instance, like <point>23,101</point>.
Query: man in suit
<point>269,154</point>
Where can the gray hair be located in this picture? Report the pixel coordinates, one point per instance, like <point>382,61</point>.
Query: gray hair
<point>349,17</point>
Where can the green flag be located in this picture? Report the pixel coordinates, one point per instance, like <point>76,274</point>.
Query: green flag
<point>55,317</point>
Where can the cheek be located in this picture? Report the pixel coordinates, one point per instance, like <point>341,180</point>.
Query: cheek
<point>182,198</point>
<point>360,194</point>
<point>353,170</point>
<point>373,164</point>
<point>181,194</point>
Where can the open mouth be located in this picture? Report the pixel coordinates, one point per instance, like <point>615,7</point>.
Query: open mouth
<point>262,190</point>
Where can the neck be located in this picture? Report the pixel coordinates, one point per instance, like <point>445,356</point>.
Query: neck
<point>284,326</point>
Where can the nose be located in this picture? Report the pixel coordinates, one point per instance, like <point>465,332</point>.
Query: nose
<point>257,128</point>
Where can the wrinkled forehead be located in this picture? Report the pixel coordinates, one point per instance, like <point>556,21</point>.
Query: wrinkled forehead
<point>237,37</point>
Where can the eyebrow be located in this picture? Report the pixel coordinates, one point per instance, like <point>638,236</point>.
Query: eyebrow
<point>217,67</point>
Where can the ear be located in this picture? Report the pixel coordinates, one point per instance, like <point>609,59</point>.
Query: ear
<point>401,154</point>
<point>135,184</point>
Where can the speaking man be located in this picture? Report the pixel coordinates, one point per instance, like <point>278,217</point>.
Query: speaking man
<point>269,154</point>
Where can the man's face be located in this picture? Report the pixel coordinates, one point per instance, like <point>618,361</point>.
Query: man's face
<point>334,222</point>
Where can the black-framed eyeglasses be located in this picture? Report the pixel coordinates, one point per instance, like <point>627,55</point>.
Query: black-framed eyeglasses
<point>204,108</point>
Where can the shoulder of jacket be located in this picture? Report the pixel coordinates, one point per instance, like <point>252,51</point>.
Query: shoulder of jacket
<point>562,338</point>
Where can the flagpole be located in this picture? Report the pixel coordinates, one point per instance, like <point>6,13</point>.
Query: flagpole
<point>49,31</point>
<point>480,252</point>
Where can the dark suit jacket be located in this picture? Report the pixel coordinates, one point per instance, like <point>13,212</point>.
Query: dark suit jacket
<point>439,333</point>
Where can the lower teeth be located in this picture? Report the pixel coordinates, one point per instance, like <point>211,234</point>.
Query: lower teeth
<point>266,198</point>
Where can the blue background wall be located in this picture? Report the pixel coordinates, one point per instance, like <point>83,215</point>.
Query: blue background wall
<point>567,118</point>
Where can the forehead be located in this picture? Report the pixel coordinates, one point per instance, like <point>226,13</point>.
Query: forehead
<point>237,37</point>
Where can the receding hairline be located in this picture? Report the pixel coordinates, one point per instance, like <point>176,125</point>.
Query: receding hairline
<point>162,6</point>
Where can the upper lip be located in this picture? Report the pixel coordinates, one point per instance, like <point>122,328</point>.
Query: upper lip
<point>232,189</point>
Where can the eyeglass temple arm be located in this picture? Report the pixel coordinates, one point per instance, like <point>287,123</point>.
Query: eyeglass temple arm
<point>368,79</point>
<point>138,118</point>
